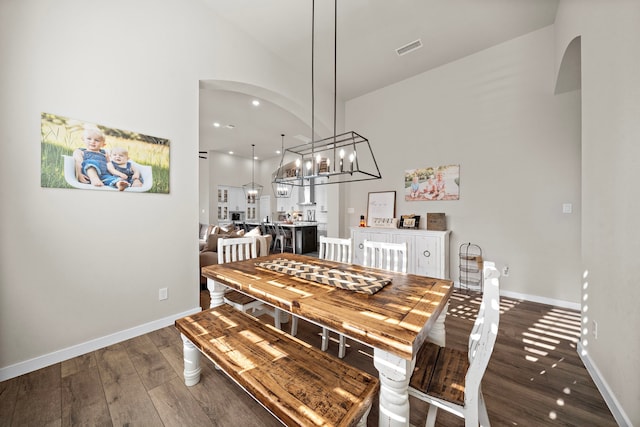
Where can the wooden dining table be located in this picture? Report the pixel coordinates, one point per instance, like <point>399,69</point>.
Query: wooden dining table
<point>395,320</point>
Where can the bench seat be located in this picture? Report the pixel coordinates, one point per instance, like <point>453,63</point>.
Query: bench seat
<point>299,384</point>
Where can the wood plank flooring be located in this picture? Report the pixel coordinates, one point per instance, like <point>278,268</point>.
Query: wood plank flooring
<point>535,378</point>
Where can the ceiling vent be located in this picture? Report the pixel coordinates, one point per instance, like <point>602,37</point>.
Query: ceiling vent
<point>409,47</point>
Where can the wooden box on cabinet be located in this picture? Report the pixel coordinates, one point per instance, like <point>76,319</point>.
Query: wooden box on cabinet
<point>428,251</point>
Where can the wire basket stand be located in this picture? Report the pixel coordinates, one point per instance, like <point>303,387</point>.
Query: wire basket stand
<point>470,267</point>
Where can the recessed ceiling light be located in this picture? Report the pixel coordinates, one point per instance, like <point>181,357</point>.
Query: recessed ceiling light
<point>216,124</point>
<point>255,157</point>
<point>231,152</point>
<point>230,126</point>
<point>255,102</point>
<point>277,151</point>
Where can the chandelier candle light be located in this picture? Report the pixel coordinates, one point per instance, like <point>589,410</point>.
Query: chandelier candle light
<point>345,157</point>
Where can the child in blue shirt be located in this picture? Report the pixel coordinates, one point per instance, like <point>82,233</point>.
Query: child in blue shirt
<point>93,165</point>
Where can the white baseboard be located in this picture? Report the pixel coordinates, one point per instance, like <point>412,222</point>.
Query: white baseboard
<point>610,399</point>
<point>542,300</point>
<point>535,298</point>
<point>39,362</point>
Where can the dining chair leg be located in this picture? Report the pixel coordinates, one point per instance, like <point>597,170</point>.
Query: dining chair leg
<point>483,416</point>
<point>431,416</point>
<point>294,325</point>
<point>343,346</point>
<point>325,339</point>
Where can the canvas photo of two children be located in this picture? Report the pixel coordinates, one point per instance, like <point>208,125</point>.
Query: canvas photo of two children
<point>83,155</point>
<point>432,183</point>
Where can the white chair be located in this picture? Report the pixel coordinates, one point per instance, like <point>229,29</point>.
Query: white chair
<point>450,379</point>
<point>70,176</point>
<point>240,249</point>
<point>387,256</point>
<point>335,249</point>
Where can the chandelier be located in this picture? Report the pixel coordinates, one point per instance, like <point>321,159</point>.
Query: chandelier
<point>281,190</point>
<point>345,157</point>
<point>252,191</point>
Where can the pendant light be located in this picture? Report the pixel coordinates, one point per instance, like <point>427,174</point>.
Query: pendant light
<point>282,190</point>
<point>252,191</point>
<point>345,157</point>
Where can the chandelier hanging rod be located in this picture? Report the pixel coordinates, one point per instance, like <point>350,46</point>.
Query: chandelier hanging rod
<point>345,157</point>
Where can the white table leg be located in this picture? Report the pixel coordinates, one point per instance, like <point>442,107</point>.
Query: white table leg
<point>216,290</point>
<point>437,334</point>
<point>191,362</point>
<point>394,374</point>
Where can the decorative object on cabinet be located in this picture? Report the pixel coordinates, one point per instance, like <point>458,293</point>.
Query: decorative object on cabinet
<point>381,204</point>
<point>346,157</point>
<point>410,221</point>
<point>470,266</point>
<point>432,183</point>
<point>252,190</point>
<point>383,223</point>
<point>428,251</point>
<point>281,190</point>
<point>436,221</point>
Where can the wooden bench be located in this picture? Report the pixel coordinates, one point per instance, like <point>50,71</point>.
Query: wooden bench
<point>299,384</point>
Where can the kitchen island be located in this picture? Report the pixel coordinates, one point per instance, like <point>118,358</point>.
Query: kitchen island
<point>304,235</point>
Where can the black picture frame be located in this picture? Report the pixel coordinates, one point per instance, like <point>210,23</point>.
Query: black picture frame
<point>410,223</point>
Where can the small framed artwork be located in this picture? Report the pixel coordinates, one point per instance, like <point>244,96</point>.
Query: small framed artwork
<point>385,222</point>
<point>410,221</point>
<point>381,204</point>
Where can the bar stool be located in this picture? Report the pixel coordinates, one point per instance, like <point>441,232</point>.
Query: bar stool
<point>284,238</point>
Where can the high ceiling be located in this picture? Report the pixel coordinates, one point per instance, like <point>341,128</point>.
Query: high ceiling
<point>369,32</point>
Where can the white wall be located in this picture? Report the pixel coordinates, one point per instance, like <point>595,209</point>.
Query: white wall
<point>610,35</point>
<point>518,146</point>
<point>77,266</point>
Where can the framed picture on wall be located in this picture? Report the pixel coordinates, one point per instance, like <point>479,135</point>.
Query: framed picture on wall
<point>89,156</point>
<point>432,183</point>
<point>381,204</point>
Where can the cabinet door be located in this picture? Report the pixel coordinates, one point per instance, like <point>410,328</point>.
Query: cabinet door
<point>411,250</point>
<point>237,201</point>
<point>428,257</point>
<point>358,239</point>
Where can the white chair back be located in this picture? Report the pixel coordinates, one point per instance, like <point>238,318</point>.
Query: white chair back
<point>387,256</point>
<point>236,249</point>
<point>485,329</point>
<point>335,249</point>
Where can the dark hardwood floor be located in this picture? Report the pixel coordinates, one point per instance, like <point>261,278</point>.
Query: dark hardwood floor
<point>535,378</point>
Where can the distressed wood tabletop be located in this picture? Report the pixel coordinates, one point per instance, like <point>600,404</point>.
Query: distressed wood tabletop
<point>396,319</point>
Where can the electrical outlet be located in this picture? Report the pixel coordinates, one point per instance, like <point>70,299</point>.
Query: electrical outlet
<point>505,270</point>
<point>163,294</point>
<point>594,329</point>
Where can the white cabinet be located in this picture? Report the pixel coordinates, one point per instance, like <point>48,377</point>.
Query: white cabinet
<point>428,251</point>
<point>359,235</point>
<point>223,203</point>
<point>237,201</point>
